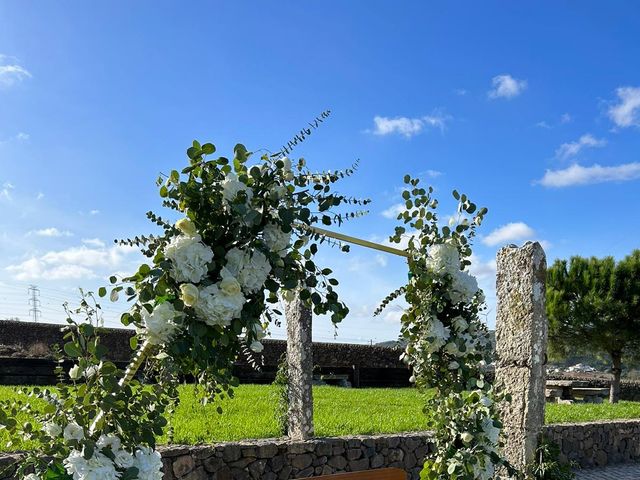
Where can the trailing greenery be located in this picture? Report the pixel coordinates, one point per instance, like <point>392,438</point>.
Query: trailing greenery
<point>281,396</point>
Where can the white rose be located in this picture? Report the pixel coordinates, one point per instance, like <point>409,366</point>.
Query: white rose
<point>73,431</point>
<point>467,437</point>
<point>275,239</point>
<point>189,258</point>
<point>214,307</point>
<point>98,467</point>
<point>159,325</point>
<point>189,294</point>
<point>109,441</point>
<point>437,335</point>
<point>52,429</point>
<point>186,226</point>
<point>256,346</point>
<point>231,187</point>
<point>229,285</point>
<point>149,464</point>
<point>75,372</point>
<point>123,459</point>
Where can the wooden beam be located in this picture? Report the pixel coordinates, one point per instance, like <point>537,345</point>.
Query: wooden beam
<point>357,241</point>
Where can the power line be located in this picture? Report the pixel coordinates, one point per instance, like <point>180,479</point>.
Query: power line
<point>34,302</point>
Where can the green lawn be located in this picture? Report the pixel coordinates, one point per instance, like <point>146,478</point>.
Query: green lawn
<point>338,411</point>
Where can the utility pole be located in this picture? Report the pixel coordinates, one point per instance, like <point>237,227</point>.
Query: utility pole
<point>34,302</point>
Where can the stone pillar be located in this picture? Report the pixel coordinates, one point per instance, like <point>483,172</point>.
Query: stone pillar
<point>521,346</point>
<point>300,362</point>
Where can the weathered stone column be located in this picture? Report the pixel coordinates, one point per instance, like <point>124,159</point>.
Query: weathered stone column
<point>300,360</point>
<point>521,346</point>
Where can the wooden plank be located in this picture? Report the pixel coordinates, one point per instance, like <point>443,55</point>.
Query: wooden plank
<point>377,474</point>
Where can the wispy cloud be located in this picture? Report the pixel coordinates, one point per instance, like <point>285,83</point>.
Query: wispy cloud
<point>6,190</point>
<point>51,232</point>
<point>461,92</point>
<point>505,86</point>
<point>626,113</point>
<point>408,127</point>
<point>579,175</point>
<point>509,233</point>
<point>566,118</point>
<point>393,211</point>
<point>11,72</point>
<point>94,212</point>
<point>95,242</point>
<point>568,150</point>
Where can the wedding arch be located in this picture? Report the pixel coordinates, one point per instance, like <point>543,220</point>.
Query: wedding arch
<point>246,236</point>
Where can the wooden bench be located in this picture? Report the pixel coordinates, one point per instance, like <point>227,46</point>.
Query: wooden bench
<point>376,474</point>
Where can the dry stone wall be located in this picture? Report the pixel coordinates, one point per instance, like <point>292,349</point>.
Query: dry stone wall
<point>275,459</point>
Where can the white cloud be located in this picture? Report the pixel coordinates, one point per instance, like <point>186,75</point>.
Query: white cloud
<point>432,173</point>
<point>481,269</point>
<point>408,127</point>
<point>381,260</point>
<point>565,118</point>
<point>626,112</point>
<point>11,73</point>
<point>579,175</point>
<point>568,150</point>
<point>543,124</point>
<point>95,242</point>
<point>94,212</point>
<point>393,211</point>
<point>505,86</point>
<point>72,263</point>
<point>508,233</point>
<point>39,196</point>
<point>5,192</point>
<point>51,232</point>
<point>461,92</point>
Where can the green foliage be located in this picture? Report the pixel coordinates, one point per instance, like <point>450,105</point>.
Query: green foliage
<point>447,344</point>
<point>547,465</point>
<point>133,412</point>
<point>281,395</point>
<point>593,305</point>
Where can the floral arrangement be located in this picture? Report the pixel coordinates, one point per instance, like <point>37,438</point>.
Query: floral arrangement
<point>447,343</point>
<point>207,295</point>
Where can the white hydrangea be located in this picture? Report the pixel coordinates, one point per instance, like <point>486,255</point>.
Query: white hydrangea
<point>444,258</point>
<point>490,431</point>
<point>231,186</point>
<point>437,335</point>
<point>275,239</point>
<point>73,431</point>
<point>463,288</point>
<point>149,464</point>
<point>250,269</point>
<point>159,325</point>
<point>215,307</point>
<point>189,258</point>
<point>98,467</point>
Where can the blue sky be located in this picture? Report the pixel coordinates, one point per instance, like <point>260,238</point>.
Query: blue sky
<point>531,109</point>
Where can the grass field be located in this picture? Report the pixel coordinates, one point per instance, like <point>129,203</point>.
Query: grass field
<point>338,411</point>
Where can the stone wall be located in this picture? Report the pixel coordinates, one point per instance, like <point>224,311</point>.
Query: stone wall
<point>275,459</point>
<point>366,365</point>
<point>597,444</point>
